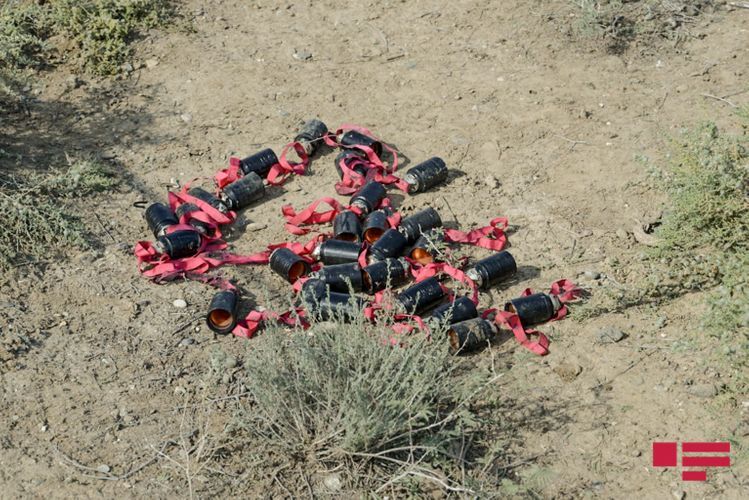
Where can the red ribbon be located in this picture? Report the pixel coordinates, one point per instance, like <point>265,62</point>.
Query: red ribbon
<point>491,237</point>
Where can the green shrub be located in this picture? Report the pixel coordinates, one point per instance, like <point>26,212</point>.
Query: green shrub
<point>38,219</point>
<point>100,30</point>
<point>343,396</point>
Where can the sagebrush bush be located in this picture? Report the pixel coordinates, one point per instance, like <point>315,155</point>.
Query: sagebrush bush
<point>38,220</point>
<point>100,31</point>
<point>351,396</point>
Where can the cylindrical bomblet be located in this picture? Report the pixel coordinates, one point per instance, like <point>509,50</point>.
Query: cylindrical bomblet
<point>203,195</point>
<point>368,198</point>
<point>375,226</point>
<point>179,244</point>
<point>354,138</point>
<point>493,269</point>
<point>534,309</point>
<point>187,208</point>
<point>388,273</point>
<point>337,252</point>
<point>159,217</point>
<point>426,175</point>
<point>424,250</point>
<point>288,265</point>
<point>346,226</point>
<point>347,156</point>
<point>421,296</point>
<point>311,134</point>
<point>222,313</point>
<point>471,335</point>
<point>342,278</point>
<point>460,309</point>
<point>260,163</point>
<point>242,192</point>
<point>391,244</point>
<point>414,225</point>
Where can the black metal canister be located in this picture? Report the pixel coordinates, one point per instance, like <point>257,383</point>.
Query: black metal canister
<point>460,309</point>
<point>388,273</point>
<point>368,198</point>
<point>207,197</point>
<point>354,138</point>
<point>260,163</point>
<point>242,192</point>
<point>348,155</point>
<point>493,269</point>
<point>187,208</point>
<point>471,335</point>
<point>222,312</point>
<point>420,222</point>
<point>324,305</point>
<point>424,251</point>
<point>426,175</point>
<point>337,252</point>
<point>534,309</point>
<point>391,244</point>
<point>342,278</point>
<point>310,135</point>
<point>375,226</point>
<point>421,296</point>
<point>159,217</point>
<point>346,227</point>
<point>288,265</point>
<point>179,244</point>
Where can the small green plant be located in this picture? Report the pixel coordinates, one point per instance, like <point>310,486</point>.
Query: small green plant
<point>37,218</point>
<point>100,31</point>
<point>702,244</point>
<point>619,23</point>
<point>388,411</point>
<point>103,29</point>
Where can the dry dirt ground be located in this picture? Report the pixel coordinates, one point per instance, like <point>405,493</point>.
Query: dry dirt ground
<point>100,370</point>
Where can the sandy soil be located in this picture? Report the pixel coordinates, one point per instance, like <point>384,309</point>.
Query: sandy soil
<point>98,365</point>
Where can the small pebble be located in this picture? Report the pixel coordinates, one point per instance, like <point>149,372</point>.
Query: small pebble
<point>610,335</point>
<point>302,55</point>
<point>103,468</point>
<point>152,63</point>
<point>179,304</point>
<point>186,117</point>
<point>255,226</point>
<point>187,341</point>
<point>661,322</point>
<point>333,482</point>
<point>593,275</point>
<point>621,233</point>
<point>703,390</point>
<point>491,182</point>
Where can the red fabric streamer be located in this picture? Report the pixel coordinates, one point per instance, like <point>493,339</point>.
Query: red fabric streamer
<point>491,237</point>
<point>281,171</point>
